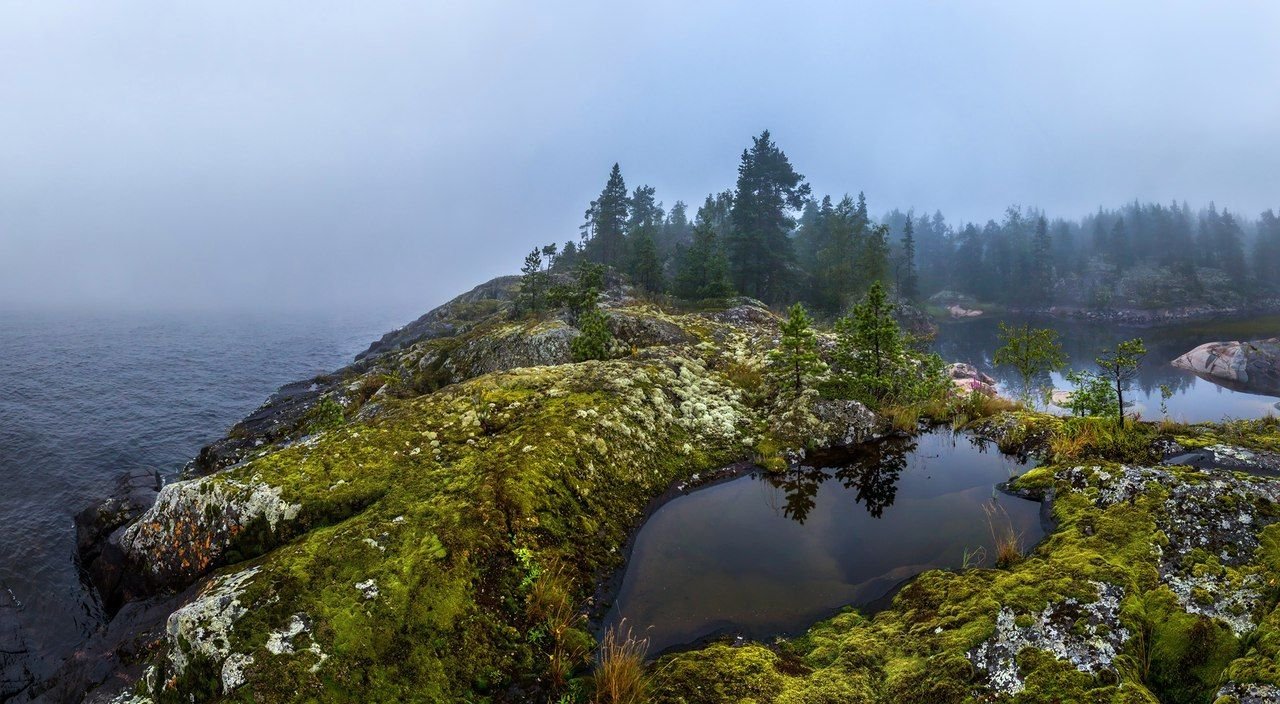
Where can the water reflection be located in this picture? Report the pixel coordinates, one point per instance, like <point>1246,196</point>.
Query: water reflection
<point>767,554</point>
<point>868,472</point>
<point>1194,399</point>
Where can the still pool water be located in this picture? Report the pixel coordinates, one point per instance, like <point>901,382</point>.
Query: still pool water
<point>1194,399</point>
<point>764,555</point>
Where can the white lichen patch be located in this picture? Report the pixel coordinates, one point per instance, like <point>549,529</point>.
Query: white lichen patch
<point>280,641</point>
<point>1087,635</point>
<point>202,628</point>
<point>233,670</point>
<point>369,588</point>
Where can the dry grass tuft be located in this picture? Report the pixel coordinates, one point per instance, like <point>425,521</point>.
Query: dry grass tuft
<point>620,676</point>
<point>1007,541</point>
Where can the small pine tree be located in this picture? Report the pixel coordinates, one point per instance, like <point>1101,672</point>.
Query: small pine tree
<point>795,361</point>
<point>870,350</point>
<point>530,300</point>
<point>596,341</point>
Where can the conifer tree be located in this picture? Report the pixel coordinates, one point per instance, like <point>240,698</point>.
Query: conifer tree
<point>644,265</point>
<point>1120,365</point>
<point>1041,282</point>
<point>760,250</point>
<point>607,218</point>
<point>795,361</point>
<point>908,286</point>
<point>703,272</point>
<point>873,261</point>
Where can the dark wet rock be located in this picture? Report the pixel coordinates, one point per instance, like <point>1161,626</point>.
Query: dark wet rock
<point>1085,634</point>
<point>100,557</point>
<point>280,418</point>
<point>1252,367</point>
<point>15,674</point>
<point>1223,456</point>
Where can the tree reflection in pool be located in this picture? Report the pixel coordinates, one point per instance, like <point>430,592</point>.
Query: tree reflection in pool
<point>765,555</point>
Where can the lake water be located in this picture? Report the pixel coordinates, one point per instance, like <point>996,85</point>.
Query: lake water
<point>85,398</point>
<point>763,555</point>
<point>1194,400</point>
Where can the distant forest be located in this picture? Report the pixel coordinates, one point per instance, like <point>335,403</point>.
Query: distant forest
<point>772,238</point>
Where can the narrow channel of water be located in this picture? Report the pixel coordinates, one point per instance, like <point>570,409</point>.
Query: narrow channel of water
<point>765,555</point>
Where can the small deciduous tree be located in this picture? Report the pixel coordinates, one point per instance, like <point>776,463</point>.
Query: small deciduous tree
<point>1031,351</point>
<point>1120,366</point>
<point>1091,395</point>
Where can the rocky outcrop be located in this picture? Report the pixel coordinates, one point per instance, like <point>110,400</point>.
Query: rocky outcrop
<point>1253,367</point>
<point>967,379</point>
<point>844,423</point>
<point>15,675</point>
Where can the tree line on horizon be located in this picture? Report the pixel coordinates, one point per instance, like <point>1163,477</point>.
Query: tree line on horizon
<point>770,237</point>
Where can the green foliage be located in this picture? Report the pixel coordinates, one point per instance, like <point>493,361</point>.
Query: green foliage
<point>760,250</point>
<point>596,341</point>
<point>325,415</point>
<point>703,272</point>
<point>908,279</point>
<point>1120,366</point>
<point>795,362</point>
<point>644,266</point>
<point>532,298</point>
<point>605,228</point>
<point>581,294</point>
<point>1092,395</point>
<point>1034,352</point>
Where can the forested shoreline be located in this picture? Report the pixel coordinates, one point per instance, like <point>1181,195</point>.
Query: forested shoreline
<point>773,238</point>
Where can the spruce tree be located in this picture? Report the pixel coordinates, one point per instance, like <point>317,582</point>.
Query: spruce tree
<point>873,260</point>
<point>607,218</point>
<point>908,286</point>
<point>1041,282</point>
<point>760,250</point>
<point>644,266</point>
<point>703,272</point>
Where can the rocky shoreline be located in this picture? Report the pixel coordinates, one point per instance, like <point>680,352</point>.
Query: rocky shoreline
<point>293,556</point>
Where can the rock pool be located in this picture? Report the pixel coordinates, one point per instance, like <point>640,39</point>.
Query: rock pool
<point>763,555</point>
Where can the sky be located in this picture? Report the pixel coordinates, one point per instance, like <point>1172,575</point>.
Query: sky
<point>292,155</point>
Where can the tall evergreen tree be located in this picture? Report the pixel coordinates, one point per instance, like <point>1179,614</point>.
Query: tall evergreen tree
<point>607,218</point>
<point>1041,280</point>
<point>908,280</point>
<point>703,272</point>
<point>760,251</point>
<point>644,266</point>
<point>873,260</point>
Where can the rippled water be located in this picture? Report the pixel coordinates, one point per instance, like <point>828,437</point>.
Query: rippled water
<point>764,554</point>
<point>85,398</point>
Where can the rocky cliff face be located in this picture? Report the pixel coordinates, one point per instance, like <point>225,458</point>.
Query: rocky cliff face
<point>1252,367</point>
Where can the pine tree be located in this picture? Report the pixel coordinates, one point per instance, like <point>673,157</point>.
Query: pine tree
<point>873,261</point>
<point>908,285</point>
<point>644,265</point>
<point>1041,281</point>
<point>760,250</point>
<point>607,218</point>
<point>533,282</point>
<point>1120,365</point>
<point>703,273</point>
<point>795,360</point>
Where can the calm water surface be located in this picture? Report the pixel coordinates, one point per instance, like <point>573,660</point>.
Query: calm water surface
<point>1194,400</point>
<point>764,555</point>
<point>85,398</point>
